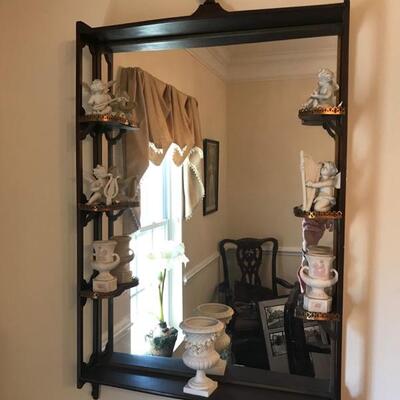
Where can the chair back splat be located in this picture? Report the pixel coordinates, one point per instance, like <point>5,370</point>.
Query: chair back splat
<point>249,257</point>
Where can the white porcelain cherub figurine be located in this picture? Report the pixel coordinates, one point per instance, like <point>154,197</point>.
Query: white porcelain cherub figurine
<point>100,99</point>
<point>103,185</point>
<point>329,180</point>
<point>324,94</point>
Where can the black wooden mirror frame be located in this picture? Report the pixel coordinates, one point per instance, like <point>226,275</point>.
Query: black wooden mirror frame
<point>210,25</point>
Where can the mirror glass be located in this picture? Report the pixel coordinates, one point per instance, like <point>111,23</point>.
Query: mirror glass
<point>248,99</point>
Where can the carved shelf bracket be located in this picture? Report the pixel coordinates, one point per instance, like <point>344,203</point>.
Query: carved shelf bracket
<point>332,127</point>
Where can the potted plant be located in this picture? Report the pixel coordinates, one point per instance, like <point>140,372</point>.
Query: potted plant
<point>167,256</point>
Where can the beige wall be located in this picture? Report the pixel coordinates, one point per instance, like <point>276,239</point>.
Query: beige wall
<point>37,292</point>
<point>201,288</point>
<point>372,278</point>
<point>265,139</point>
<point>266,136</point>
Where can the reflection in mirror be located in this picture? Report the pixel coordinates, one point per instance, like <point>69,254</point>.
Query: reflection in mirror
<point>248,98</point>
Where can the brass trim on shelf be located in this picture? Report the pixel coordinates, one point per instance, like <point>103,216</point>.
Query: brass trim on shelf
<point>105,208</point>
<point>315,316</point>
<point>117,118</point>
<point>298,212</point>
<point>336,110</point>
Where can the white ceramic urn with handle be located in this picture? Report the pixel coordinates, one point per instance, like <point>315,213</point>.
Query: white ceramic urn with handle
<point>104,260</point>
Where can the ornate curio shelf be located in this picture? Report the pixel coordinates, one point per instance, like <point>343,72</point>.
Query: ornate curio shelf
<point>298,212</point>
<point>90,294</point>
<point>113,126</point>
<point>209,26</point>
<point>315,316</point>
<point>327,117</point>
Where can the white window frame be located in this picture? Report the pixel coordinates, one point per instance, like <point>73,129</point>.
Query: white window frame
<point>172,208</point>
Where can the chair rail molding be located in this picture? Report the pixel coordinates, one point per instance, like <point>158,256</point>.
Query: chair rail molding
<point>200,267</point>
<point>192,272</point>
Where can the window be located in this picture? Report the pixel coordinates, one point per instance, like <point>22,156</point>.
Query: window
<point>161,219</point>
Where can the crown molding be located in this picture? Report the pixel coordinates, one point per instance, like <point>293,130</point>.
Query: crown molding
<point>213,60</point>
<point>273,66</point>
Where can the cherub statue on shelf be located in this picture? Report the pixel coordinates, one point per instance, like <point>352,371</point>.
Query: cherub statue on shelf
<point>319,183</point>
<point>103,185</point>
<point>100,99</point>
<point>324,94</point>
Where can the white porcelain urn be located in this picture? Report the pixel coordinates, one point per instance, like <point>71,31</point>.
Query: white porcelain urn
<point>223,313</point>
<point>122,272</point>
<point>318,286</point>
<point>316,298</point>
<point>104,260</point>
<point>200,355</point>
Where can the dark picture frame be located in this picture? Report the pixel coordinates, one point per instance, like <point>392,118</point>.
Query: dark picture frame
<point>272,319</point>
<point>211,176</point>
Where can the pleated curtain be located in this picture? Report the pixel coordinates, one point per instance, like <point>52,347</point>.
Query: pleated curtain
<point>166,117</point>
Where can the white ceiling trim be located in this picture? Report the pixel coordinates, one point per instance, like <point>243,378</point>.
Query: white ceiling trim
<point>274,66</point>
<point>211,60</point>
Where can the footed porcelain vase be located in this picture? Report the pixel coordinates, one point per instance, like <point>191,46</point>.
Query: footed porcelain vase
<point>316,299</point>
<point>122,272</point>
<point>200,355</point>
<point>104,261</point>
<point>320,261</point>
<point>223,313</point>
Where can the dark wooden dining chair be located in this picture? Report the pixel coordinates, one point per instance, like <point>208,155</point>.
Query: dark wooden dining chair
<point>243,295</point>
<point>249,258</point>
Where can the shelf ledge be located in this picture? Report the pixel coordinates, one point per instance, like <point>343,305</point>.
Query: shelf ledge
<point>298,212</point>
<point>327,117</point>
<point>90,294</point>
<point>113,126</point>
<point>89,211</point>
<point>172,386</point>
<point>105,208</point>
<point>301,313</point>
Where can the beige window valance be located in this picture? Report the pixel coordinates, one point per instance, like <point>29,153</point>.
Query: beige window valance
<point>166,117</point>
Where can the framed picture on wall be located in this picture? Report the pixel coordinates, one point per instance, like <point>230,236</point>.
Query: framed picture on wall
<point>211,176</point>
